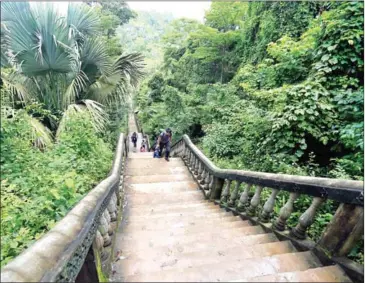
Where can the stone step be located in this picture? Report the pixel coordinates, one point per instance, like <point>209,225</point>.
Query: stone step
<point>148,263</point>
<point>185,176</point>
<point>153,163</point>
<point>162,188</point>
<point>182,223</point>
<point>236,234</point>
<point>178,221</point>
<point>232,269</point>
<point>332,273</point>
<point>183,229</point>
<point>181,197</point>
<point>177,216</point>
<point>194,246</point>
<point>138,155</point>
<point>151,211</point>
<point>168,170</point>
<point>146,209</point>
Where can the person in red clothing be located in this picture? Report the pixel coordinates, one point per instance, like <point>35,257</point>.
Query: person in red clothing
<point>143,148</point>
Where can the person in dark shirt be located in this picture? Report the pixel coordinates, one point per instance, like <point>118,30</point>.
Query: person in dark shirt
<point>164,140</point>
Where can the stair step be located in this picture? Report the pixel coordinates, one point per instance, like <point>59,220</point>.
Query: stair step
<point>181,197</point>
<point>206,214</point>
<point>182,221</point>
<point>154,163</point>
<point>165,188</point>
<point>187,212</point>
<point>150,262</point>
<point>201,246</point>
<point>190,247</point>
<point>184,230</point>
<point>332,273</point>
<point>139,155</point>
<point>185,176</point>
<point>237,234</point>
<point>162,209</point>
<point>168,170</point>
<point>233,269</point>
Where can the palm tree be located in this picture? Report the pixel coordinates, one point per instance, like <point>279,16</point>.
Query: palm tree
<point>60,61</point>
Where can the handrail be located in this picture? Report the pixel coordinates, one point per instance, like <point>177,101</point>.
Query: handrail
<point>224,188</point>
<point>315,186</point>
<point>60,253</point>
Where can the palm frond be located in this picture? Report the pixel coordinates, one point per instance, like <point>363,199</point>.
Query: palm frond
<point>95,58</point>
<point>75,87</point>
<point>42,136</point>
<point>82,21</point>
<point>20,87</point>
<point>34,38</point>
<point>98,115</point>
<point>132,66</point>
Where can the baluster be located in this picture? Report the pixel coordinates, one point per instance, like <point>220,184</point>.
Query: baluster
<point>103,228</point>
<point>193,158</point>
<point>188,159</point>
<point>285,212</point>
<point>306,219</point>
<point>196,167</point>
<point>112,208</point>
<point>99,243</point>
<point>255,201</point>
<point>269,206</point>
<point>234,194</point>
<point>206,181</point>
<point>200,170</point>
<point>241,207</point>
<point>225,193</point>
<point>203,176</point>
<point>186,154</point>
<point>210,186</point>
<point>108,219</point>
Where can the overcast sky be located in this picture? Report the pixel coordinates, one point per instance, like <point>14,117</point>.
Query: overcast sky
<point>187,9</point>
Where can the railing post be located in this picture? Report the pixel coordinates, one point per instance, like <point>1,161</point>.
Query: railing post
<point>255,201</point>
<point>345,228</point>
<point>225,193</point>
<point>241,207</point>
<point>234,194</point>
<point>306,219</point>
<point>200,170</point>
<point>285,212</point>
<point>268,206</point>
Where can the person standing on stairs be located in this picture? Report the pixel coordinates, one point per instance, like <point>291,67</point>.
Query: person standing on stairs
<point>134,139</point>
<point>164,140</point>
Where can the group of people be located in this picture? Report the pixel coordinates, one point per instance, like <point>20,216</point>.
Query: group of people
<point>163,141</point>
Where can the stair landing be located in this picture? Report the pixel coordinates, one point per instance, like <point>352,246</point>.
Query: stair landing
<point>170,233</point>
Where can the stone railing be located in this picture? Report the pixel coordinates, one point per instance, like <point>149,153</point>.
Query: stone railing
<point>84,233</point>
<point>241,192</point>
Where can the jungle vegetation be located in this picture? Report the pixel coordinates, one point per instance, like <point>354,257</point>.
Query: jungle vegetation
<point>267,86</point>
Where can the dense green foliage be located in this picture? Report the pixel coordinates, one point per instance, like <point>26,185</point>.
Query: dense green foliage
<point>267,86</point>
<point>39,187</point>
<point>299,82</point>
<point>65,83</point>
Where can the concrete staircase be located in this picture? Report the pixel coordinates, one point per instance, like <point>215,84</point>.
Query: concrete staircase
<point>171,233</point>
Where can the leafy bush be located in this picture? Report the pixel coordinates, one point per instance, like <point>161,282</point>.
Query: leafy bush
<point>39,188</point>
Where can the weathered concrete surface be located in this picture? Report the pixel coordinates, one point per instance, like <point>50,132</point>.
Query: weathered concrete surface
<point>171,233</point>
